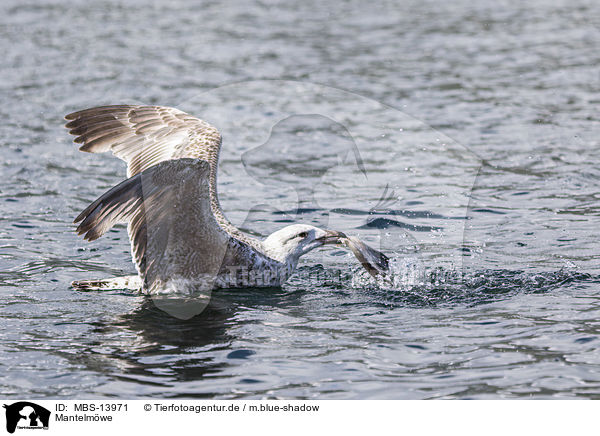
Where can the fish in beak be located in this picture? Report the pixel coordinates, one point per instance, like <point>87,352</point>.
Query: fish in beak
<point>375,262</point>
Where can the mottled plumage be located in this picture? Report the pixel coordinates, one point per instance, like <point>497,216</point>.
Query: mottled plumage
<point>180,238</point>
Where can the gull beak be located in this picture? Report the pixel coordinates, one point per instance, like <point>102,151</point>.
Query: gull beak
<point>331,237</point>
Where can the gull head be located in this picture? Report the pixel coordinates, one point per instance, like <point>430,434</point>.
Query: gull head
<point>291,242</point>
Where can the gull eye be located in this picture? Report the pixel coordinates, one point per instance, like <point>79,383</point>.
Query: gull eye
<point>303,235</point>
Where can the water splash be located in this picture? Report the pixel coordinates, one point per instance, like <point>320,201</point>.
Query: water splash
<point>409,283</point>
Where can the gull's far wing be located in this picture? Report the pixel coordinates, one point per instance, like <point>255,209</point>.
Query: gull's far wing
<point>177,245</point>
<point>145,135</point>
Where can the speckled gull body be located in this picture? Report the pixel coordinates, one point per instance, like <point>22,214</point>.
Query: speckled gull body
<point>180,239</point>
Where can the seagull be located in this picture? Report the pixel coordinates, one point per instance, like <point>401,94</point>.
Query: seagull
<point>181,241</point>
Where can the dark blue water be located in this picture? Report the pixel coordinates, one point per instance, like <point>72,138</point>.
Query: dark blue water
<point>460,139</point>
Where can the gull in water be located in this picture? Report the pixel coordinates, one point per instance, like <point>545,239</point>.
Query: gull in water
<point>181,241</point>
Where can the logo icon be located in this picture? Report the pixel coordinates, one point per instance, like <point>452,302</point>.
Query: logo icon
<point>26,415</point>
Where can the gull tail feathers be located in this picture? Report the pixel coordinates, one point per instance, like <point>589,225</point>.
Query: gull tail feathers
<point>126,282</point>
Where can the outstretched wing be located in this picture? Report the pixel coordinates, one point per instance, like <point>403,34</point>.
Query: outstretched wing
<point>145,135</point>
<point>175,240</point>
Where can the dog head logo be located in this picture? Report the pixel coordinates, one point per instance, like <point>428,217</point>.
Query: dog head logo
<point>26,415</point>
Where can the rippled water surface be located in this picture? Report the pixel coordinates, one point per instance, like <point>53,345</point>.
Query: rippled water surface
<point>461,139</point>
